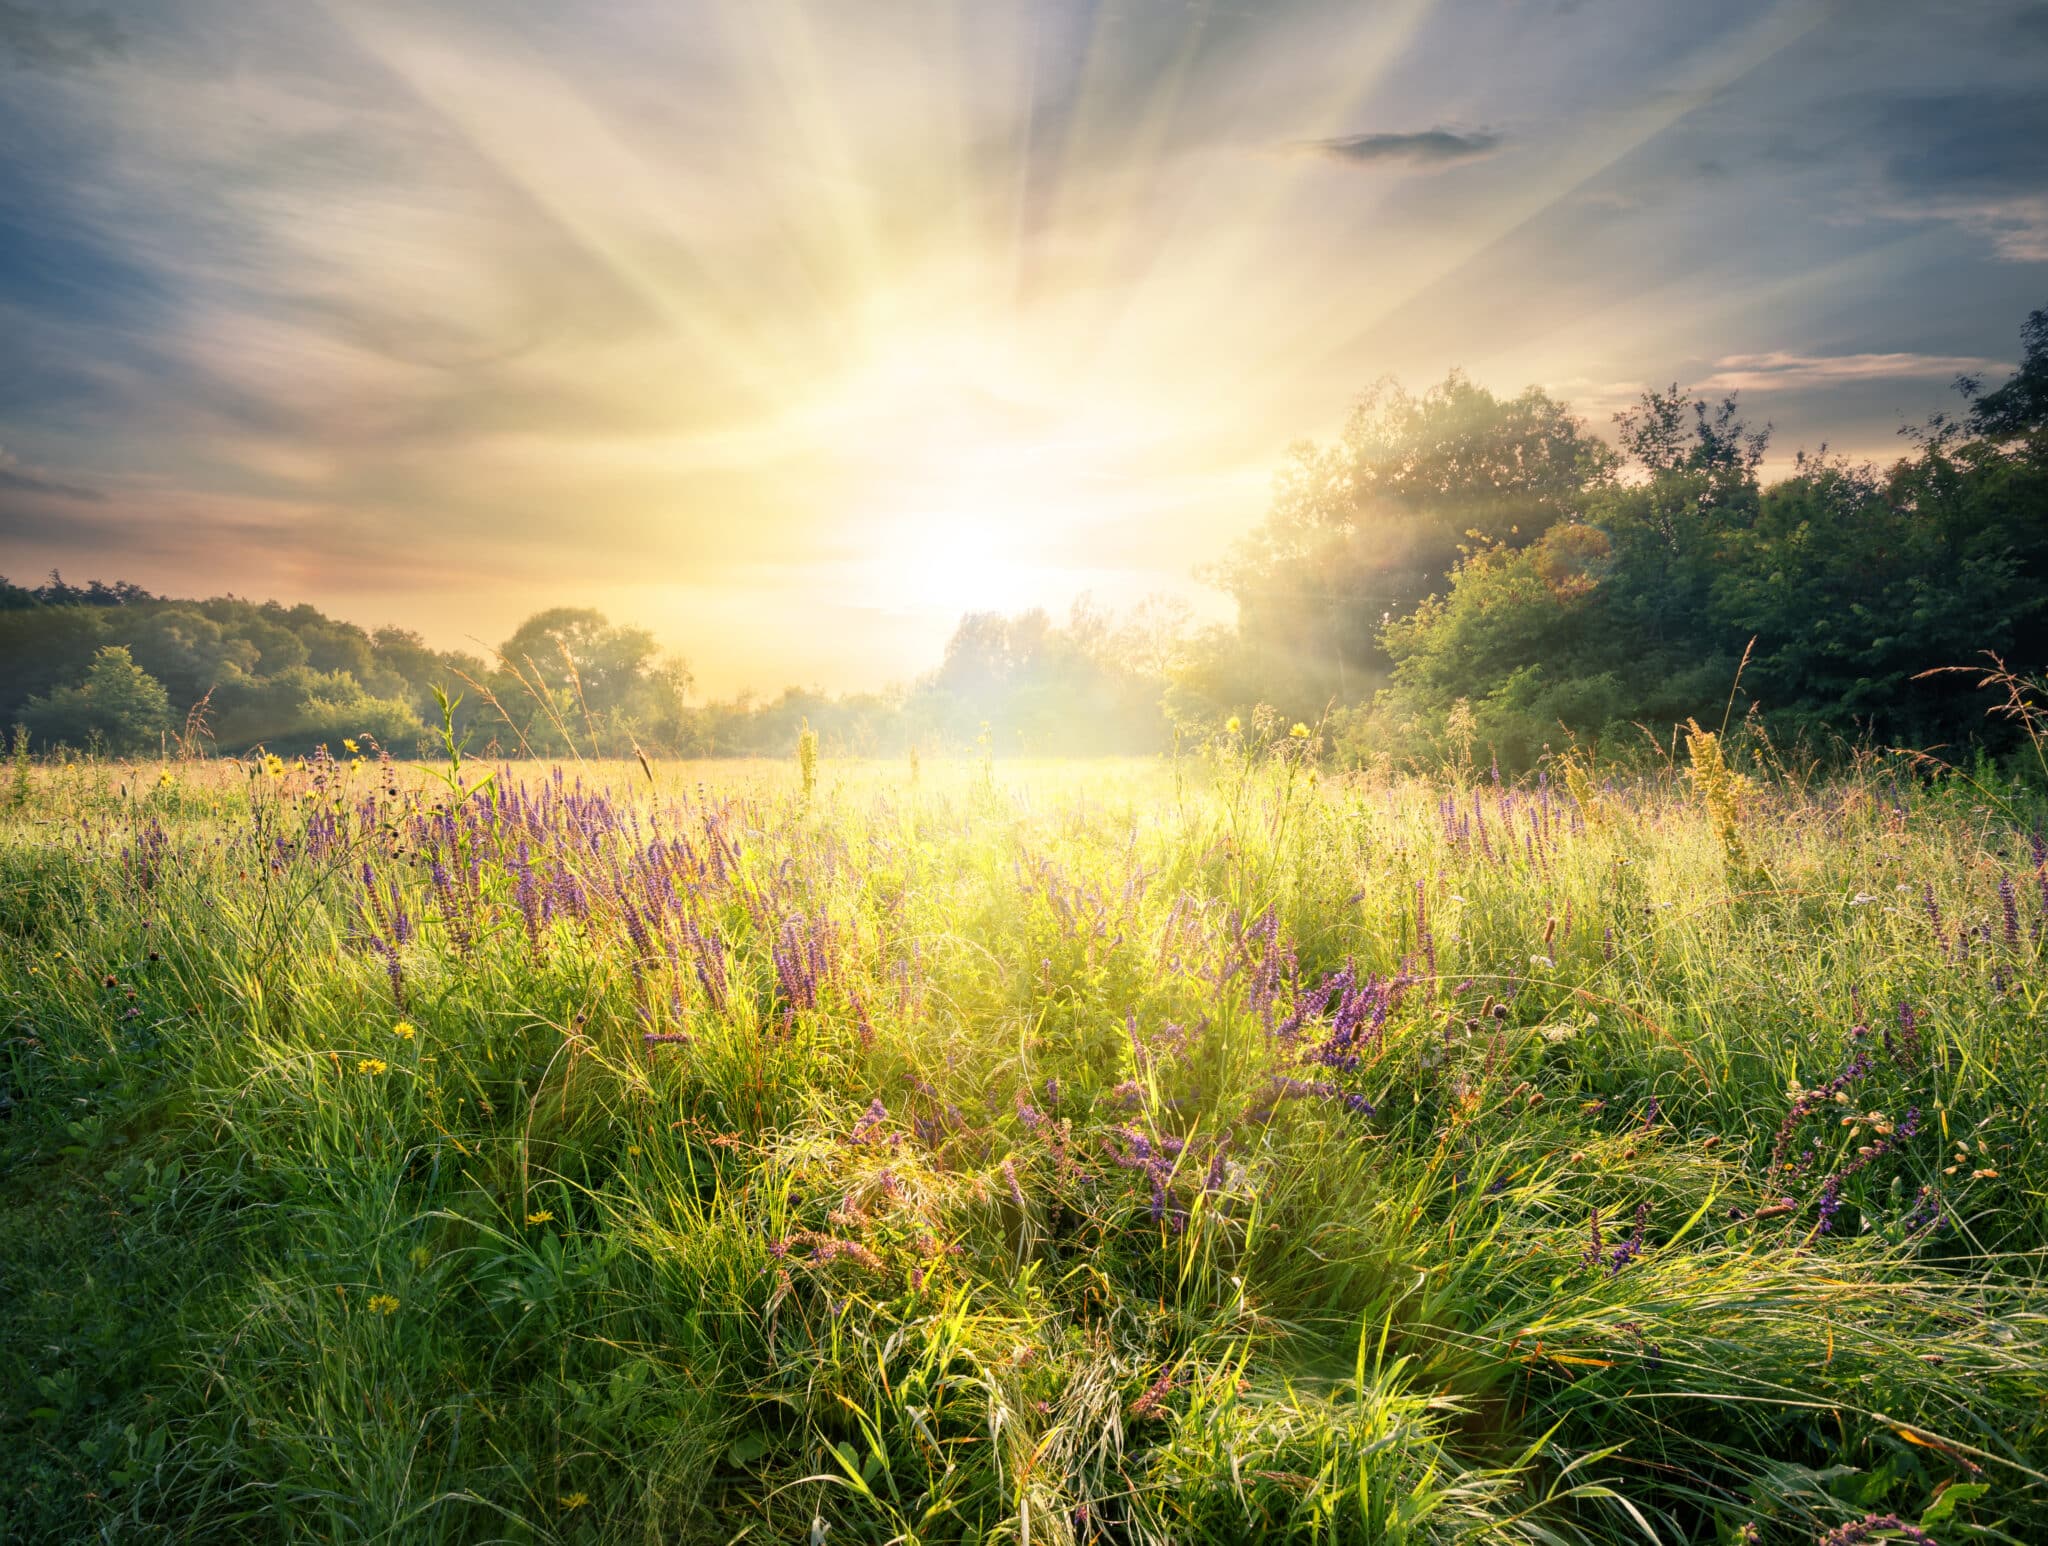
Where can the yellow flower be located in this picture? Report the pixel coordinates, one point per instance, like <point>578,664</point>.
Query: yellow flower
<point>163,779</point>
<point>545,1216</point>
<point>405,1030</point>
<point>383,1304</point>
<point>371,1066</point>
<point>1233,724</point>
<point>633,1149</point>
<point>422,1256</point>
<point>1299,732</point>
<point>348,745</point>
<point>576,1500</point>
<point>273,765</point>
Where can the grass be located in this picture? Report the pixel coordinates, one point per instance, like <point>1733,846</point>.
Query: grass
<point>1037,1152</point>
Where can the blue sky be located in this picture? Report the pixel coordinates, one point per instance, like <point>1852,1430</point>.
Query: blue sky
<point>792,329</point>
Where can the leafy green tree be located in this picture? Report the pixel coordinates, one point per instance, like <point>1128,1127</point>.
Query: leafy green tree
<point>1361,532</point>
<point>187,651</point>
<point>2019,409</point>
<point>122,705</point>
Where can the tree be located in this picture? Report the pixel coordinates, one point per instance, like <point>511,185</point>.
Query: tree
<point>121,704</point>
<point>2020,407</point>
<point>577,652</point>
<point>1360,533</point>
<point>187,651</point>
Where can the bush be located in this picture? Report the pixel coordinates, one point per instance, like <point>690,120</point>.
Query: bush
<point>119,706</point>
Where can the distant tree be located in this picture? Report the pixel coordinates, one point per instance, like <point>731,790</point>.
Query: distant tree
<point>187,651</point>
<point>43,648</point>
<point>568,676</point>
<point>122,705</point>
<point>577,651</point>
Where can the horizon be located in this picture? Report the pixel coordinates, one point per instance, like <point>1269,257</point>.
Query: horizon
<point>793,337</point>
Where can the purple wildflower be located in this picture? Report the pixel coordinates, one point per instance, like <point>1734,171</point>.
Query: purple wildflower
<point>1859,1530</point>
<point>872,1118</point>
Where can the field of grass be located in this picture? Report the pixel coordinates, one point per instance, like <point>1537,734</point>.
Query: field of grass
<point>1037,1153</point>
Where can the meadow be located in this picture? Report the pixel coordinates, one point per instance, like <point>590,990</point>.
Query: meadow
<point>1207,1149</point>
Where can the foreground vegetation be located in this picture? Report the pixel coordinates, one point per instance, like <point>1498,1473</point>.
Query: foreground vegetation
<point>1047,1152</point>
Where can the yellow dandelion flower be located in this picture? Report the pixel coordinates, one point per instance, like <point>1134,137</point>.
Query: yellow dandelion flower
<point>545,1216</point>
<point>164,779</point>
<point>1233,724</point>
<point>576,1500</point>
<point>371,1066</point>
<point>633,1149</point>
<point>1299,732</point>
<point>405,1030</point>
<point>383,1304</point>
<point>348,745</point>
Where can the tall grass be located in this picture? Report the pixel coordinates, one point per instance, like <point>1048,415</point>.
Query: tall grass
<point>1018,1152</point>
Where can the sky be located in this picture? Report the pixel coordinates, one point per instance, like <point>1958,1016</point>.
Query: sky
<point>792,329</point>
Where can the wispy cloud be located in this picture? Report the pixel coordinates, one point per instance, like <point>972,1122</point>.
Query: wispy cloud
<point>43,37</point>
<point>16,479</point>
<point>336,302</point>
<point>1781,372</point>
<point>1424,149</point>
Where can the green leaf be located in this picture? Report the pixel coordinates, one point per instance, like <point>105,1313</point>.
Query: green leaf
<point>1946,1501</point>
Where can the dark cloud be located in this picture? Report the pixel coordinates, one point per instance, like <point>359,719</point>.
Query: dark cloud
<point>1968,143</point>
<point>45,35</point>
<point>1426,148</point>
<point>14,481</point>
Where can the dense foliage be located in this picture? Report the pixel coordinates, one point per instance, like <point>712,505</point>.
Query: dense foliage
<point>1121,1155</point>
<point>1597,598</point>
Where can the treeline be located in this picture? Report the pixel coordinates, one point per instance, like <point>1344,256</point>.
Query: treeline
<point>1460,571</point>
<point>115,669</point>
<point>1487,570</point>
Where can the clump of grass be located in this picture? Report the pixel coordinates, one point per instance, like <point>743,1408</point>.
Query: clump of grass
<point>807,760</point>
<point>1093,1153</point>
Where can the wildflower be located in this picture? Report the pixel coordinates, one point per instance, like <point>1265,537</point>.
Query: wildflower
<point>1860,1530</point>
<point>1632,1246</point>
<point>349,746</point>
<point>1299,732</point>
<point>544,1216</point>
<point>383,1304</point>
<point>371,1066</point>
<point>872,1118</point>
<point>405,1030</point>
<point>273,765</point>
<point>1233,724</point>
<point>1147,1405</point>
<point>576,1500</point>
